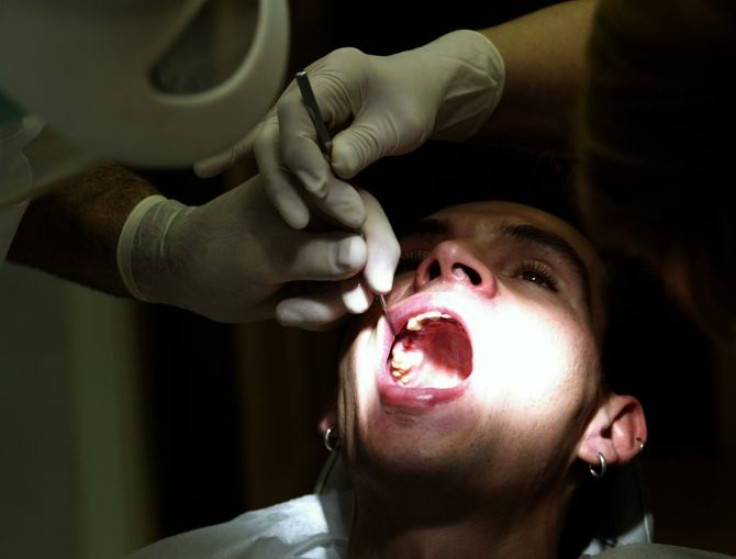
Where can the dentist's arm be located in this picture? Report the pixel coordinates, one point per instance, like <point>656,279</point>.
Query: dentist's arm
<point>544,54</point>
<point>72,231</point>
<point>514,85</point>
<point>232,259</point>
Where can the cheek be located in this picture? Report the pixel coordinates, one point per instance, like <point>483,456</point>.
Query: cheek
<point>535,356</point>
<point>357,366</point>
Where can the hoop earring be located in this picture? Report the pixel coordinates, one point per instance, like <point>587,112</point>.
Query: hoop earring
<point>331,439</point>
<point>602,467</point>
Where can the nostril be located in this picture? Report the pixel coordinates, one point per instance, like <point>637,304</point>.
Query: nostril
<point>434,271</point>
<point>455,262</point>
<point>460,270</point>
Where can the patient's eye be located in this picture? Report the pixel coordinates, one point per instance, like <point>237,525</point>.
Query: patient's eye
<point>537,273</point>
<point>410,260</point>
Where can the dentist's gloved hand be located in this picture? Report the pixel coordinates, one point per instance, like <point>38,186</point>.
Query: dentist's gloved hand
<point>234,259</point>
<point>374,106</point>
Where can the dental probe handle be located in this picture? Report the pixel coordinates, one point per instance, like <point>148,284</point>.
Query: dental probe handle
<point>323,139</point>
<point>310,103</point>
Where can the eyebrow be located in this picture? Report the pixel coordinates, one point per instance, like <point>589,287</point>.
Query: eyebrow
<point>547,239</point>
<point>528,233</point>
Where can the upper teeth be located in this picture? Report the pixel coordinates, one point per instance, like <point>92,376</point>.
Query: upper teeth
<point>416,323</point>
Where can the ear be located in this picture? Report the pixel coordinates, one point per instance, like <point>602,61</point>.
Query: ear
<point>618,430</point>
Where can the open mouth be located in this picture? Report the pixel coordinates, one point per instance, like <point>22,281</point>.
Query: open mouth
<point>432,351</point>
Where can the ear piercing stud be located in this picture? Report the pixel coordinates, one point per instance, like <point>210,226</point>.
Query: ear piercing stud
<point>641,443</point>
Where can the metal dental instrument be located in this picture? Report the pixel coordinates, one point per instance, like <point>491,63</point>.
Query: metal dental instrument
<point>323,139</point>
<point>310,103</point>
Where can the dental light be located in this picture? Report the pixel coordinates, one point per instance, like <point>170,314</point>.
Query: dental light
<point>158,83</point>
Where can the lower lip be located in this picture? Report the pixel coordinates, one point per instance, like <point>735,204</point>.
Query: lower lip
<point>396,397</point>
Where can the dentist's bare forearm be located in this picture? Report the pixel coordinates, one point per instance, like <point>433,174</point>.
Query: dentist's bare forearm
<point>72,232</point>
<point>544,55</point>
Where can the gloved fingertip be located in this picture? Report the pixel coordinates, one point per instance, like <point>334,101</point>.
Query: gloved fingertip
<point>346,163</point>
<point>380,276</point>
<point>203,170</point>
<point>305,315</point>
<point>298,222</point>
<point>352,253</point>
<point>316,185</point>
<point>289,315</point>
<point>357,300</point>
<point>382,283</point>
<point>296,216</point>
<point>352,216</point>
<point>208,168</point>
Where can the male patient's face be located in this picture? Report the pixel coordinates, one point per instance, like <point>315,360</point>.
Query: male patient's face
<point>494,366</point>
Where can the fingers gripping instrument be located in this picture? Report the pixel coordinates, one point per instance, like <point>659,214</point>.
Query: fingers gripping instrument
<point>310,103</point>
<point>323,139</point>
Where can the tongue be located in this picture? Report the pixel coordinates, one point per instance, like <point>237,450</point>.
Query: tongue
<point>445,352</point>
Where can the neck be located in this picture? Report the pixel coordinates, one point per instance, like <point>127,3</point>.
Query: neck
<point>389,524</point>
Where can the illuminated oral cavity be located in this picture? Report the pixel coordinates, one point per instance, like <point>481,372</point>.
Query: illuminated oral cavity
<point>432,351</point>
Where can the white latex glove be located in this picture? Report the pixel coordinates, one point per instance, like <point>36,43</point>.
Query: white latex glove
<point>235,260</point>
<point>380,106</point>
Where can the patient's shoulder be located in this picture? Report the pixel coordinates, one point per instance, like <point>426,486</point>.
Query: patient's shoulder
<point>313,526</point>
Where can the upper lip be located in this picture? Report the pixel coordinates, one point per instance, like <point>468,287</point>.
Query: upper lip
<point>443,302</point>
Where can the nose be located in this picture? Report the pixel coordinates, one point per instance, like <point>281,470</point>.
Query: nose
<point>455,262</point>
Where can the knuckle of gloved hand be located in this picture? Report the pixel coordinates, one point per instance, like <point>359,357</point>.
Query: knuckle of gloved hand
<point>345,56</point>
<point>340,81</point>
